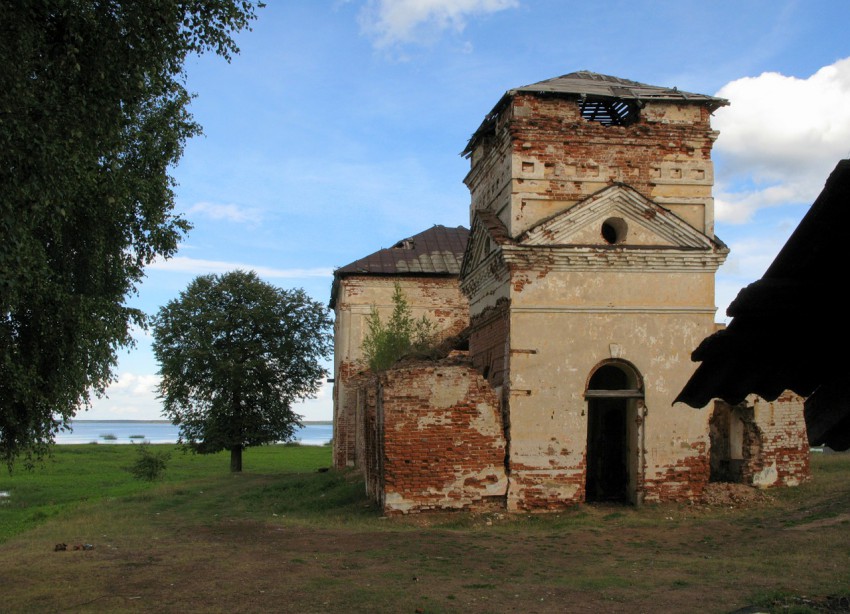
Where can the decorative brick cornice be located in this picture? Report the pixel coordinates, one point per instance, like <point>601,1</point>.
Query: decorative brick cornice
<point>592,258</point>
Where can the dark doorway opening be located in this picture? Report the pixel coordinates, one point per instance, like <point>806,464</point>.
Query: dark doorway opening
<point>612,393</point>
<point>607,462</point>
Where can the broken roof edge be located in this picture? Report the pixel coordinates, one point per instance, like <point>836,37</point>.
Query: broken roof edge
<point>446,243</point>
<point>591,85</point>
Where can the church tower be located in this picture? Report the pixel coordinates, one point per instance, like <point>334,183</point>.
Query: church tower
<point>590,276</point>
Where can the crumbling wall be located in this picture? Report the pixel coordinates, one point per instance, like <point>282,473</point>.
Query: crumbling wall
<point>761,443</point>
<point>437,298</point>
<point>367,406</point>
<point>441,441</point>
<point>683,480</point>
<point>488,343</point>
<point>345,440</point>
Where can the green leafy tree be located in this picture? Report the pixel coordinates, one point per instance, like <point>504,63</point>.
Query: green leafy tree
<point>93,115</point>
<point>234,353</point>
<point>386,342</point>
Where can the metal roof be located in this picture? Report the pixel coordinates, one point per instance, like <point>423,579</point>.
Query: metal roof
<point>437,251</point>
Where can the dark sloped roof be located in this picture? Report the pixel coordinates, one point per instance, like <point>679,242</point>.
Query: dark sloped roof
<point>437,251</point>
<point>586,83</point>
<point>790,329</point>
<point>591,85</point>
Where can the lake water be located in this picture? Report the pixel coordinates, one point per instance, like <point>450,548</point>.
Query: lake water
<point>158,431</point>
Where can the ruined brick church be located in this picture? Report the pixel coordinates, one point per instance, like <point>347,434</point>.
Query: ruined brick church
<point>584,283</point>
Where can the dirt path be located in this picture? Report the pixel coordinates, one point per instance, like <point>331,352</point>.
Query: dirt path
<point>671,559</point>
<point>191,548</point>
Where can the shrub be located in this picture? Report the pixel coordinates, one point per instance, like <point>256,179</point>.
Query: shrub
<point>386,342</point>
<point>150,464</point>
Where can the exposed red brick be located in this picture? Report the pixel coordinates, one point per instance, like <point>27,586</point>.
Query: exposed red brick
<point>438,439</point>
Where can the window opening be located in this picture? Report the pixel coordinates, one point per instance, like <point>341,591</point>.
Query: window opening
<point>614,230</point>
<point>609,112</point>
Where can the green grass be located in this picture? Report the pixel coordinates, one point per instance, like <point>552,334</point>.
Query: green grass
<point>78,475</point>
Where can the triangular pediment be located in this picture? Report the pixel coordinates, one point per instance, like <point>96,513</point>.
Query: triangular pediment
<point>487,233</point>
<point>617,215</point>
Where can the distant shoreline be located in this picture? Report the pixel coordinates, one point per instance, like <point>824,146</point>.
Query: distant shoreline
<point>169,422</point>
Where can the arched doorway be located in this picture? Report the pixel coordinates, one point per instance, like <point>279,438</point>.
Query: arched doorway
<point>614,396</point>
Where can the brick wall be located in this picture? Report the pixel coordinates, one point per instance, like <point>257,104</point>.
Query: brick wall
<point>488,342</point>
<point>760,442</point>
<point>779,443</point>
<point>684,480</point>
<point>558,159</point>
<point>437,298</point>
<point>438,439</point>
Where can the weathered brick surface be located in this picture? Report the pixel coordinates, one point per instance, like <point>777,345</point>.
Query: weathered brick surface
<point>437,298</point>
<point>774,446</point>
<point>438,440</point>
<point>547,309</point>
<point>684,480</point>
<point>545,153</point>
<point>367,406</point>
<point>536,490</point>
<point>345,415</point>
<point>488,342</point>
<point>541,160</point>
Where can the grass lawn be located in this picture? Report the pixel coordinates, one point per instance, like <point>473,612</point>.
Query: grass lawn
<point>283,536</point>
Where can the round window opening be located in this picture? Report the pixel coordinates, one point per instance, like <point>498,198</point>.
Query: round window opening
<point>614,230</point>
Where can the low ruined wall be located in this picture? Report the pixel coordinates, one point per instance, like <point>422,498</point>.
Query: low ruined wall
<point>440,439</point>
<point>782,440</point>
<point>439,299</point>
<point>761,443</point>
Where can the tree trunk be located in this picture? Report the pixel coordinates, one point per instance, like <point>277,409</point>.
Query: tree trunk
<point>236,458</point>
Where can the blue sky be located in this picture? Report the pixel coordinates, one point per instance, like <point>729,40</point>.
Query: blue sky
<point>337,130</point>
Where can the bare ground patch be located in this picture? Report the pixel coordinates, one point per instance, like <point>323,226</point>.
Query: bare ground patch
<point>675,558</point>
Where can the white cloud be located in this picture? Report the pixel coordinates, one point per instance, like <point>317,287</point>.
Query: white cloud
<point>131,397</point>
<point>318,408</point>
<point>135,384</point>
<point>391,22</point>
<point>197,266</point>
<point>749,258</point>
<point>228,212</point>
<point>780,138</point>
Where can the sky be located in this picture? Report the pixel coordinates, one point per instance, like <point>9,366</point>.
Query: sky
<point>337,130</point>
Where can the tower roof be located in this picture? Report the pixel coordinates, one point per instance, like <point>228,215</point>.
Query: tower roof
<point>587,85</point>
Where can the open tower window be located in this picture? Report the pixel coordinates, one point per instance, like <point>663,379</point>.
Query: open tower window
<point>614,230</point>
<point>609,112</point>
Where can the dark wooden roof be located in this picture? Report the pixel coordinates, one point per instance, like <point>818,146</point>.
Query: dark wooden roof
<point>437,251</point>
<point>790,329</point>
<point>588,85</point>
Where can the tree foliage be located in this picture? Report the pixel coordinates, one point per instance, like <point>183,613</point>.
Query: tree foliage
<point>234,353</point>
<point>93,114</point>
<point>386,342</point>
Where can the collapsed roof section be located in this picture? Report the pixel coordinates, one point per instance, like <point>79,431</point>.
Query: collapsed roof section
<point>437,251</point>
<point>611,101</point>
<point>790,329</point>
